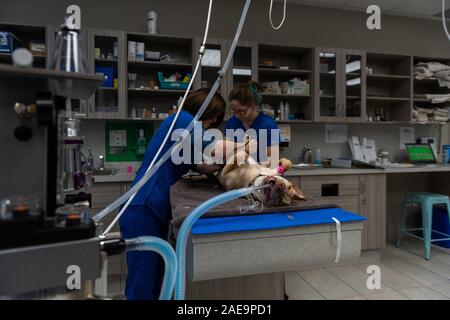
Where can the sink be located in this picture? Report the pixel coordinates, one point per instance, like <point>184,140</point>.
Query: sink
<point>307,166</point>
<point>104,172</point>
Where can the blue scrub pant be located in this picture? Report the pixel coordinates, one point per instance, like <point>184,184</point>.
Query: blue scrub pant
<point>145,268</point>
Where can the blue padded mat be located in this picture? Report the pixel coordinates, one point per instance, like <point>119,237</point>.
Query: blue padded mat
<point>272,220</point>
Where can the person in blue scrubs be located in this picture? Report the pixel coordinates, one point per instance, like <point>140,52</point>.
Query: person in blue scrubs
<point>244,99</point>
<point>149,213</point>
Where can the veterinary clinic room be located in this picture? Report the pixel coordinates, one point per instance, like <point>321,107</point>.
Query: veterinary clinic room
<point>225,150</point>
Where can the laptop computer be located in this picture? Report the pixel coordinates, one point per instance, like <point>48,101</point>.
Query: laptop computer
<point>420,153</point>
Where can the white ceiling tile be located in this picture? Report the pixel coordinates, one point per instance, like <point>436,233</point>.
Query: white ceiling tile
<point>420,7</point>
<point>383,4</point>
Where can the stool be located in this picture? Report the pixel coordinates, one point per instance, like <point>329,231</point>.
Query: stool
<point>426,201</point>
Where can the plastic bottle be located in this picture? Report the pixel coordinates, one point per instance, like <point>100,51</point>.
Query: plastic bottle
<point>151,22</point>
<point>141,143</point>
<point>286,111</point>
<point>318,157</point>
<point>282,111</point>
<point>446,153</point>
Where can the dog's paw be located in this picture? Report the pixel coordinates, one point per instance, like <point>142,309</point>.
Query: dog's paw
<point>285,163</point>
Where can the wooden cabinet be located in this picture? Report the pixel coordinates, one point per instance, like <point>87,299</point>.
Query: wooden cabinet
<point>372,205</point>
<point>339,85</point>
<point>285,74</point>
<point>364,195</point>
<point>106,53</point>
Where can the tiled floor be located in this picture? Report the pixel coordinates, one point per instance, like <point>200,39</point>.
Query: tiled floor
<point>405,275</point>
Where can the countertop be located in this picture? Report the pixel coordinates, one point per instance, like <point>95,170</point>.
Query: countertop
<point>119,177</point>
<point>294,172</point>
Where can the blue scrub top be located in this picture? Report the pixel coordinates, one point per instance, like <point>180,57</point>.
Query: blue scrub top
<point>155,194</point>
<point>263,121</point>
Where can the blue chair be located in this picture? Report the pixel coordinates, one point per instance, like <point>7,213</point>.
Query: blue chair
<point>427,201</point>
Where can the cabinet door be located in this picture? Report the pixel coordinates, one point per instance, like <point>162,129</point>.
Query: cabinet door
<point>213,59</point>
<point>372,205</point>
<point>79,107</point>
<point>106,54</point>
<point>353,79</point>
<point>327,84</point>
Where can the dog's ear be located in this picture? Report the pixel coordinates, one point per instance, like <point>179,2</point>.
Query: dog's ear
<point>297,193</point>
<point>285,200</point>
<point>285,163</point>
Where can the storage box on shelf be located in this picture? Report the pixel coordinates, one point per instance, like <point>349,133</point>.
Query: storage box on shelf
<point>152,59</point>
<point>286,76</point>
<point>431,89</point>
<point>388,87</point>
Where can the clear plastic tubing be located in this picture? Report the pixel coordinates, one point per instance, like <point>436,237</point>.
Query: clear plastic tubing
<point>164,249</point>
<point>187,225</point>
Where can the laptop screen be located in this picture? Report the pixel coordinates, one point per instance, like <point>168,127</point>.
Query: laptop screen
<point>420,153</point>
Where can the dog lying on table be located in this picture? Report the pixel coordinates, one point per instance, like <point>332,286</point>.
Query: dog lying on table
<point>247,172</point>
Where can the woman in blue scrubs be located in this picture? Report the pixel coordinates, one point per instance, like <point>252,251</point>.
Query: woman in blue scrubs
<point>244,100</point>
<point>149,213</point>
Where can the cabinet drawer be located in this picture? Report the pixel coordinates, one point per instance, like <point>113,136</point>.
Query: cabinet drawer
<point>105,193</point>
<point>330,186</point>
<point>348,203</point>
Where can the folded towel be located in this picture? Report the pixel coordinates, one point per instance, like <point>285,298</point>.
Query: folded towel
<point>442,75</point>
<point>438,98</point>
<point>422,73</point>
<point>433,66</point>
<point>424,110</point>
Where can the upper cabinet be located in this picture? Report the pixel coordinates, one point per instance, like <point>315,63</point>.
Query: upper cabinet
<point>147,75</point>
<point>107,56</point>
<point>285,74</point>
<point>158,71</point>
<point>388,87</point>
<point>339,85</point>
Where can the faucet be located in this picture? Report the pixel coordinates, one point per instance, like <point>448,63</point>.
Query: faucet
<point>102,162</point>
<point>306,156</point>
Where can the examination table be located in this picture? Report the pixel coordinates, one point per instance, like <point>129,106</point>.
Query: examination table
<point>234,255</point>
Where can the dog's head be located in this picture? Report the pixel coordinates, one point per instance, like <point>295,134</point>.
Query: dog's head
<point>281,192</point>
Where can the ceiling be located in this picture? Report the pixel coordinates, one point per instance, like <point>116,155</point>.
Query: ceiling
<point>425,9</point>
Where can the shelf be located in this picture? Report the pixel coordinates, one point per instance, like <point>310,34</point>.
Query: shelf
<point>387,77</point>
<point>8,57</point>
<point>156,91</point>
<point>66,84</point>
<point>428,80</point>
<point>290,72</point>
<point>421,100</point>
<point>280,95</point>
<point>295,121</point>
<point>144,119</point>
<point>106,60</point>
<point>327,96</point>
<point>353,97</point>
<point>388,99</point>
<point>157,64</point>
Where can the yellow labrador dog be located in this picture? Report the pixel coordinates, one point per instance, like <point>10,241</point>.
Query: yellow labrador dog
<point>246,172</point>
